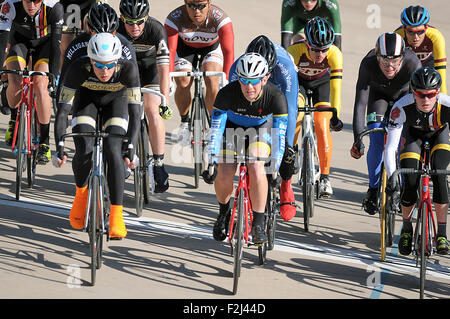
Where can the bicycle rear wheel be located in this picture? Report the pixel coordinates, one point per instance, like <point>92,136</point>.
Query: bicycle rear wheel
<point>144,157</point>
<point>31,158</point>
<point>138,182</point>
<point>238,240</point>
<point>307,185</point>
<point>197,141</point>
<point>20,149</point>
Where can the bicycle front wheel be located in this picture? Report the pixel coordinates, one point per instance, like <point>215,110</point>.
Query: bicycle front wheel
<point>31,158</point>
<point>382,196</point>
<point>94,228</point>
<point>307,185</point>
<point>147,180</point>
<point>238,240</point>
<point>425,244</point>
<point>20,150</point>
<point>138,187</point>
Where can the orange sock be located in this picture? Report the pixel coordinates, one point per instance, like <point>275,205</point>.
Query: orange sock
<point>117,227</point>
<point>78,212</point>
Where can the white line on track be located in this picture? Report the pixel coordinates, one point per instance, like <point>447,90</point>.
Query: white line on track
<point>341,255</point>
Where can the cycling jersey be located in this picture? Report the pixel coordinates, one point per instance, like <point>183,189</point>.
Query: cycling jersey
<point>231,105</point>
<point>151,49</point>
<point>377,93</point>
<point>407,122</point>
<point>78,48</point>
<point>431,52</point>
<point>284,76</point>
<point>44,28</point>
<point>216,29</point>
<point>294,18</point>
<point>82,75</point>
<point>331,66</point>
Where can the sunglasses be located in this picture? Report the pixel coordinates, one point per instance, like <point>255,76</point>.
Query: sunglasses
<point>134,21</point>
<point>428,95</point>
<point>194,6</point>
<point>414,32</point>
<point>250,81</point>
<point>387,62</point>
<point>102,66</point>
<point>313,49</point>
<point>34,1</point>
<point>310,1</point>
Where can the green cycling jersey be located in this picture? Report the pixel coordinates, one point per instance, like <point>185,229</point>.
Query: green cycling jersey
<point>294,17</point>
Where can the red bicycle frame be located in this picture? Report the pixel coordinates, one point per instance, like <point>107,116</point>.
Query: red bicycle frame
<point>27,98</point>
<point>244,183</point>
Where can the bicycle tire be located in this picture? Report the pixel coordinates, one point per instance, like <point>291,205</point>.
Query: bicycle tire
<point>307,186</point>
<point>272,219</point>
<point>382,210</point>
<point>31,158</point>
<point>197,141</point>
<point>146,174</point>
<point>238,240</point>
<point>94,232</point>
<point>262,249</point>
<point>20,145</point>
<point>423,239</point>
<point>138,181</point>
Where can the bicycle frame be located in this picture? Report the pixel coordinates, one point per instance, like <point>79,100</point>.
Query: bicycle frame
<point>243,184</point>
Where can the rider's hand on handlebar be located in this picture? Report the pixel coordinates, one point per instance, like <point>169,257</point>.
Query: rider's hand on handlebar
<point>392,186</point>
<point>357,150</point>
<point>207,177</point>
<point>59,158</point>
<point>165,111</point>
<point>336,125</point>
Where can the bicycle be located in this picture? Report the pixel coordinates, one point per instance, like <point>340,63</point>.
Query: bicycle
<point>144,182</point>
<point>25,140</point>
<point>270,216</point>
<point>387,205</point>
<point>425,230</point>
<point>308,157</point>
<point>98,204</point>
<point>199,118</point>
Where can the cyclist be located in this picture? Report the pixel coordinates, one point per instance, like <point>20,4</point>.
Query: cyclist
<point>296,13</point>
<point>426,41</point>
<point>255,107</point>
<point>283,73</point>
<point>149,40</point>
<point>101,79</point>
<point>198,27</point>
<point>36,25</point>
<point>319,65</point>
<point>422,114</point>
<point>384,75</point>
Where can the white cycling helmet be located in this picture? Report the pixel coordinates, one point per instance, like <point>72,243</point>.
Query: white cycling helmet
<point>104,47</point>
<point>252,65</point>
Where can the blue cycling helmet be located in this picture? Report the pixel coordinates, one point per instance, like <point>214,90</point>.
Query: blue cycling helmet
<point>319,33</point>
<point>415,16</point>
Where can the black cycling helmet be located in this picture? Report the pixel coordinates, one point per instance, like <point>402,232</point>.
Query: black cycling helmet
<point>102,18</point>
<point>262,45</point>
<point>134,9</point>
<point>415,16</point>
<point>390,45</point>
<point>319,33</point>
<point>426,78</point>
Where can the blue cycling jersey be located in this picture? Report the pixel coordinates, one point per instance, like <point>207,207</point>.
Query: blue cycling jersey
<point>284,76</point>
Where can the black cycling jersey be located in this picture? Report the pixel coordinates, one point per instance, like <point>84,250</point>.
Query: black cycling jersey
<point>406,121</point>
<point>82,75</point>
<point>151,50</point>
<point>34,32</point>
<point>78,48</point>
<point>375,91</point>
<point>152,41</point>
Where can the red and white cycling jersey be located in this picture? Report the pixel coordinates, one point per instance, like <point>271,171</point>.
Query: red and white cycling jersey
<point>217,27</point>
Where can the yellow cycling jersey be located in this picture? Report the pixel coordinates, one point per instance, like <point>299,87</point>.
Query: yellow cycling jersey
<point>309,70</point>
<point>432,47</point>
